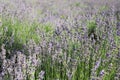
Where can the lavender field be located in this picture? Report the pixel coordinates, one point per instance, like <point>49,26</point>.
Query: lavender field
<point>59,39</point>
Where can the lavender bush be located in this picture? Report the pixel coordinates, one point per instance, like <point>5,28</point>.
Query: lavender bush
<point>59,40</point>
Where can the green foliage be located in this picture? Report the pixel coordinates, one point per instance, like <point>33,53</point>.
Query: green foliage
<point>15,34</point>
<point>91,27</point>
<point>77,4</point>
<point>7,77</point>
<point>103,8</point>
<point>47,28</point>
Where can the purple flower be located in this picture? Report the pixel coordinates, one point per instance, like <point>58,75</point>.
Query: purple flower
<point>102,73</point>
<point>41,74</point>
<point>118,32</point>
<point>97,64</point>
<point>107,54</point>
